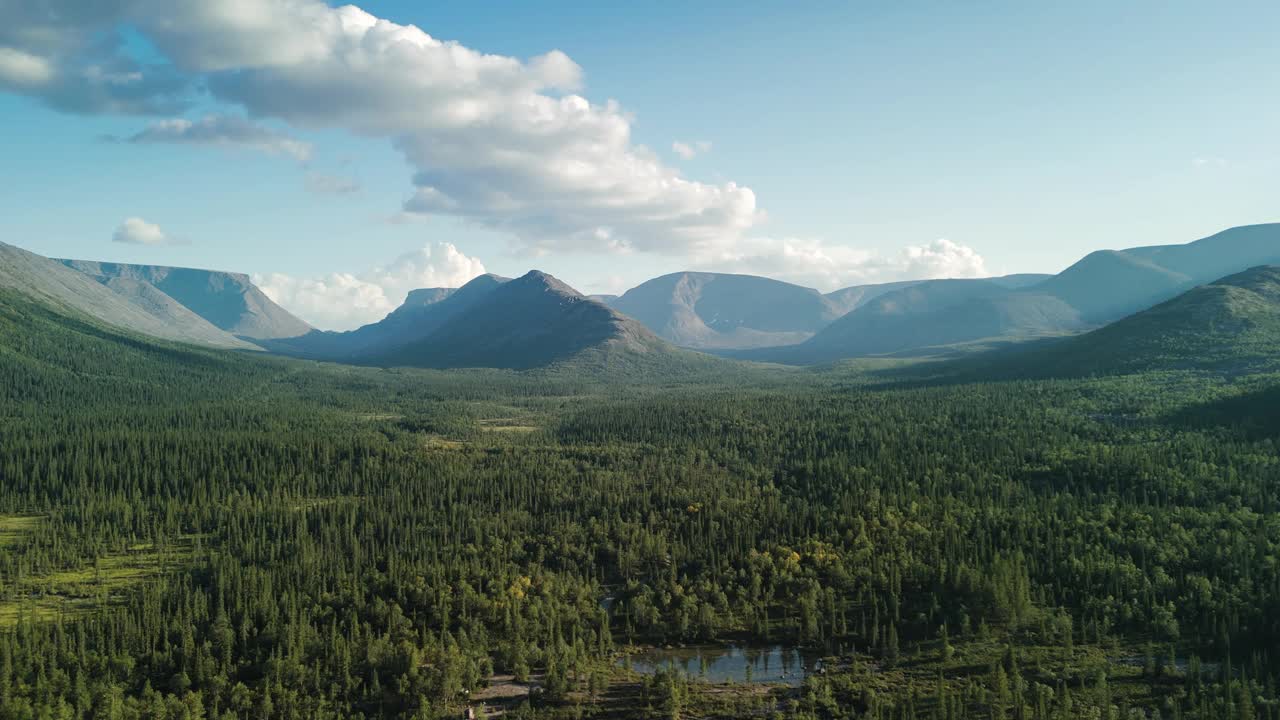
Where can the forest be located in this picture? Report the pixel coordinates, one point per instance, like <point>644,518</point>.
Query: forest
<point>194,534</point>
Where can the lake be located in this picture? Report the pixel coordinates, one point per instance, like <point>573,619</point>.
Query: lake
<point>775,664</point>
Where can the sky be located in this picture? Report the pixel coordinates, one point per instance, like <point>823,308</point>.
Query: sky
<point>343,156</point>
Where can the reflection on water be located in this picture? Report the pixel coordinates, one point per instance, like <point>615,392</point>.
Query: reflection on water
<point>728,663</point>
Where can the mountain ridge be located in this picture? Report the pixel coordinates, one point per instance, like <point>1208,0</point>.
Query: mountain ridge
<point>227,300</point>
<point>131,305</point>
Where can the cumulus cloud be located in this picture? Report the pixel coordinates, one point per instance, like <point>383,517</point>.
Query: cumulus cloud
<point>828,266</point>
<point>70,54</point>
<point>136,231</point>
<point>344,301</point>
<point>224,131</point>
<point>688,151</point>
<point>508,144</point>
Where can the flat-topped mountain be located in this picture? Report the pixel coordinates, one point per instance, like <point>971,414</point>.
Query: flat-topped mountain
<point>229,301</point>
<point>128,303</point>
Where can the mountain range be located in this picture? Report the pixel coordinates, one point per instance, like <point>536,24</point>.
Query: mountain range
<point>537,320</point>
<point>721,311</point>
<point>1102,287</point>
<point>1230,326</point>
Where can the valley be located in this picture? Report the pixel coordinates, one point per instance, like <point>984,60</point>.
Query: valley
<point>344,541</point>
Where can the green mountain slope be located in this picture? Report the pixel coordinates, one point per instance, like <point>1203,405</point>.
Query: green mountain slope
<point>128,304</point>
<point>1229,326</point>
<point>53,355</point>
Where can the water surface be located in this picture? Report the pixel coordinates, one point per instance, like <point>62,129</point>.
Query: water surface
<point>776,664</point>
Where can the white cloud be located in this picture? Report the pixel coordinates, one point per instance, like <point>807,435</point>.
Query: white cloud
<point>344,301</point>
<point>224,131</point>
<point>826,266</point>
<point>502,142</point>
<point>136,231</point>
<point>22,69</point>
<point>688,151</point>
<point>71,55</point>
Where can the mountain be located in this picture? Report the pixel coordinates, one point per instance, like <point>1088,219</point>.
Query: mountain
<point>930,314</point>
<point>1231,325</point>
<point>532,321</point>
<point>725,311</point>
<point>1110,284</point>
<point>229,301</point>
<point>1019,280</point>
<point>851,298</point>
<point>423,312</point>
<point>716,310</point>
<point>720,311</point>
<point>1102,287</point>
<point>126,303</point>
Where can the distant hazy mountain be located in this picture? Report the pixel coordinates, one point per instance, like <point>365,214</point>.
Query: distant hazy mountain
<point>1232,325</point>
<point>422,313</point>
<point>1020,280</point>
<point>1111,284</point>
<point>1102,287</point>
<point>716,310</point>
<point>532,321</point>
<point>127,303</point>
<point>229,301</point>
<point>851,298</point>
<point>719,311</point>
<point>932,313</point>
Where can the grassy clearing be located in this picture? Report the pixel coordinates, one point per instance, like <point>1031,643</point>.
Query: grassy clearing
<point>16,528</point>
<point>504,428</point>
<point>74,592</point>
<point>437,442</point>
<point>320,502</point>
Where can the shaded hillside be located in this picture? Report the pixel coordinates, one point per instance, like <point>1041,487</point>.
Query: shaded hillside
<point>928,315</point>
<point>1229,326</point>
<point>1108,284</point>
<point>532,321</point>
<point>51,354</point>
<point>229,301</point>
<point>423,312</point>
<point>127,304</point>
<point>847,299</point>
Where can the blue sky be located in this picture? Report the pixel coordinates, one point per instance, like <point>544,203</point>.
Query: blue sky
<point>1026,135</point>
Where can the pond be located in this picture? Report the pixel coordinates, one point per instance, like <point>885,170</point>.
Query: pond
<point>775,664</point>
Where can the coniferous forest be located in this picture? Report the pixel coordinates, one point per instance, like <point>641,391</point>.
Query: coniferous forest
<point>200,534</point>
